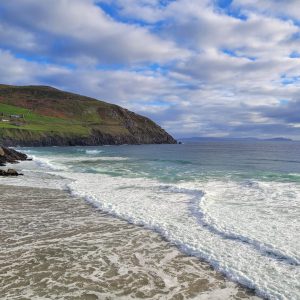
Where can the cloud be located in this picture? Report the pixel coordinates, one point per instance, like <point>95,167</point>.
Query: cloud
<point>19,71</point>
<point>279,8</point>
<point>136,89</point>
<point>288,112</point>
<point>80,32</point>
<point>195,67</point>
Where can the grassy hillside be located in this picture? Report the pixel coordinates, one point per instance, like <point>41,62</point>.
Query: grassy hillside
<point>36,122</point>
<point>39,114</point>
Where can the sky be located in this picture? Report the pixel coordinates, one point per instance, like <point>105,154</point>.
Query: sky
<point>219,68</point>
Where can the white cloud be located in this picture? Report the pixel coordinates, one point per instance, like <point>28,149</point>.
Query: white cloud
<point>18,71</point>
<point>188,64</point>
<point>279,8</point>
<point>80,31</point>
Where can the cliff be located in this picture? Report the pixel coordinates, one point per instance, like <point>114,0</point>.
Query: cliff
<point>45,116</point>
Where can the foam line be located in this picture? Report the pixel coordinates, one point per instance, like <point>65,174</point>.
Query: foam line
<point>263,248</point>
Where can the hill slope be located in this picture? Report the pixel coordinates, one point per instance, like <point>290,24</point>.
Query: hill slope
<point>45,116</point>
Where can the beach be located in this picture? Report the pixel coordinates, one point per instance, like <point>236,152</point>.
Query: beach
<point>193,221</point>
<point>150,149</point>
<point>54,246</point>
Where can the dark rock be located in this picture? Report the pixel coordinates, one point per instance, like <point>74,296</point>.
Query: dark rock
<point>12,172</point>
<point>9,172</point>
<point>8,155</point>
<point>137,136</point>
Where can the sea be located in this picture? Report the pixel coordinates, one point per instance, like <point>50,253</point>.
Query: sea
<point>233,204</point>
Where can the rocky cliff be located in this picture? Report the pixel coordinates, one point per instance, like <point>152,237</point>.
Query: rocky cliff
<point>44,116</point>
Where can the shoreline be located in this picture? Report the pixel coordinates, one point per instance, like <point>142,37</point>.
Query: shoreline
<point>71,227</point>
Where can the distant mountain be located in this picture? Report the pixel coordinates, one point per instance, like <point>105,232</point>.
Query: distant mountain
<point>280,139</point>
<point>45,116</point>
<point>208,139</point>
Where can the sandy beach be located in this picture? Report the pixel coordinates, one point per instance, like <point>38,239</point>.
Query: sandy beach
<point>54,246</point>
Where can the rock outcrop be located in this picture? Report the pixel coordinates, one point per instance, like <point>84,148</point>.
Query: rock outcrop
<point>10,172</point>
<point>10,156</point>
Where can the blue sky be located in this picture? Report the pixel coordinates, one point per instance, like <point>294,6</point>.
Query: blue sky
<point>227,68</point>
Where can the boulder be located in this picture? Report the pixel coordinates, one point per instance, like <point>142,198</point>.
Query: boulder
<point>9,172</point>
<point>8,155</point>
<point>12,172</point>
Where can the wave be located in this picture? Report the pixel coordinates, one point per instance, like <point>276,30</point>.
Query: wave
<point>58,162</point>
<point>174,161</point>
<point>93,152</point>
<point>112,158</point>
<point>48,164</point>
<point>265,249</point>
<point>113,210</point>
<point>173,211</point>
<point>97,158</point>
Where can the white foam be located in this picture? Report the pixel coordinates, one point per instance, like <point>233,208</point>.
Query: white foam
<point>94,152</point>
<point>37,174</point>
<point>36,180</point>
<point>58,162</point>
<point>294,174</point>
<point>48,163</point>
<point>112,158</point>
<point>263,214</point>
<point>165,208</point>
<point>227,223</point>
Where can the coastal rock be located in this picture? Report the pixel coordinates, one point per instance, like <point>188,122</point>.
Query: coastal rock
<point>10,156</point>
<point>9,172</point>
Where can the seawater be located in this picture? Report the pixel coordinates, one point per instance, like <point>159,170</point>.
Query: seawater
<point>233,204</point>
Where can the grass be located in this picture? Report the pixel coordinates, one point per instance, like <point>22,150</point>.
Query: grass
<point>49,112</point>
<point>36,122</point>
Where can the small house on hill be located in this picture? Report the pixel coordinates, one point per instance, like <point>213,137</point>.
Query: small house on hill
<point>17,116</point>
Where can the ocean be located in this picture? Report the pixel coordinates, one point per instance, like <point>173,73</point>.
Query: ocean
<point>233,204</point>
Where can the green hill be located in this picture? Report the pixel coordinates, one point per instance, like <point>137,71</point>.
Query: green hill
<point>45,116</point>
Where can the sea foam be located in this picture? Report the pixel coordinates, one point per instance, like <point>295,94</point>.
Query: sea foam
<point>246,228</point>
<point>166,209</point>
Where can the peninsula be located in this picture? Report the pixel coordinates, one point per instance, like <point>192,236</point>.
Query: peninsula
<point>45,116</point>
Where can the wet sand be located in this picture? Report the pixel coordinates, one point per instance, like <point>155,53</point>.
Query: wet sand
<point>54,246</point>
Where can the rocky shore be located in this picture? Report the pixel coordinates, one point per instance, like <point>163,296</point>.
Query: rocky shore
<point>96,138</point>
<point>11,156</point>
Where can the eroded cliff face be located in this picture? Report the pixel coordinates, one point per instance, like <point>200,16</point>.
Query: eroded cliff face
<point>50,117</point>
<point>97,138</point>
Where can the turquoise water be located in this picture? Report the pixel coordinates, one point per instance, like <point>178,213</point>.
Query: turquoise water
<point>171,163</point>
<point>234,204</point>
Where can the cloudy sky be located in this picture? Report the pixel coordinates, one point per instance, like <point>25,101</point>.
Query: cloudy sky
<point>197,67</point>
